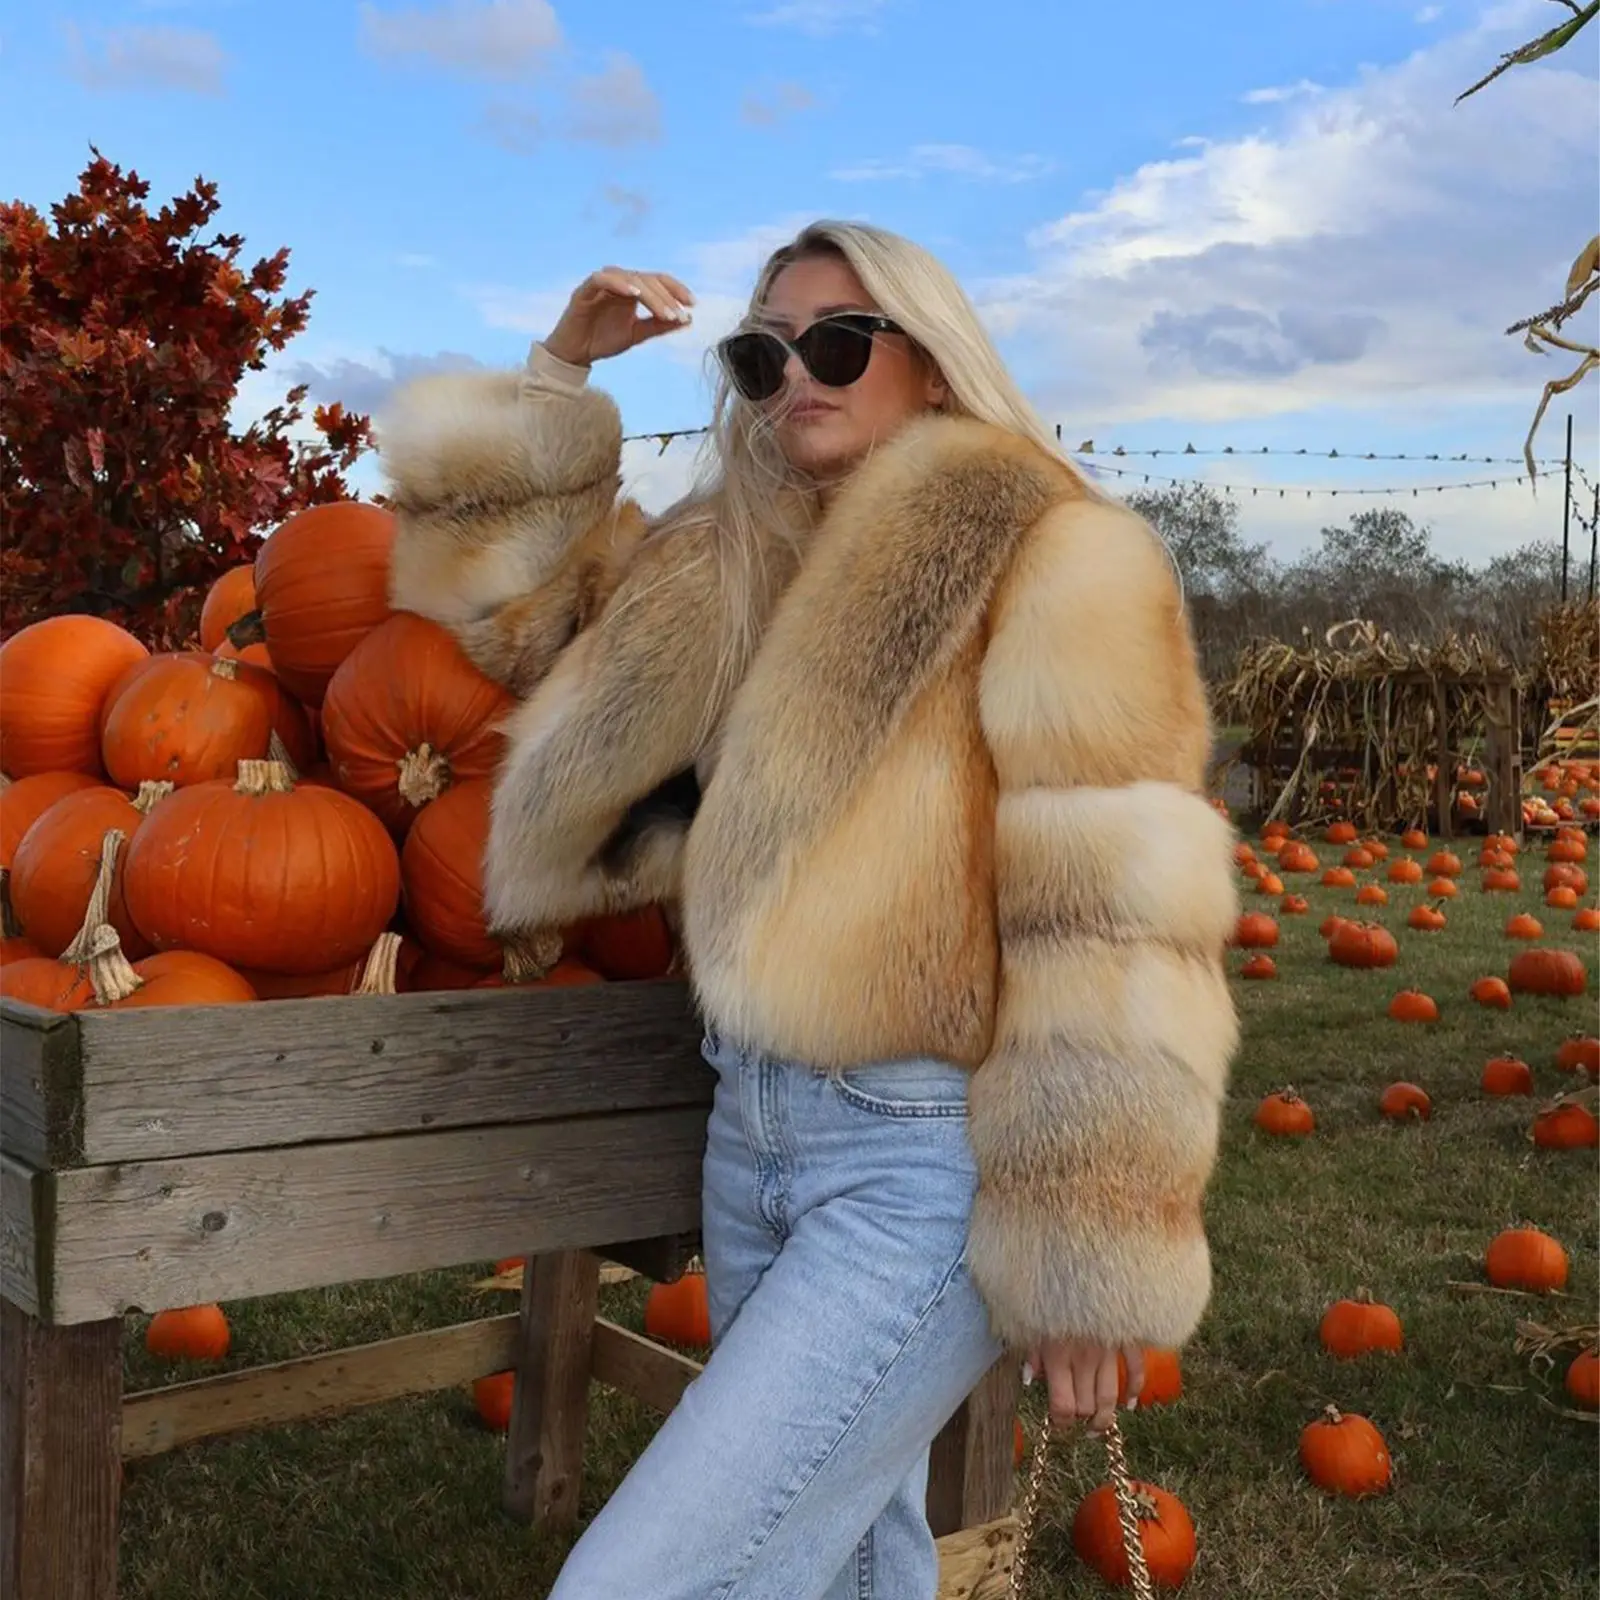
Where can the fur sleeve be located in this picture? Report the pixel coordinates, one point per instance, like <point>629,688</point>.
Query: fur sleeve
<point>1095,1116</point>
<point>594,797</point>
<point>510,533</point>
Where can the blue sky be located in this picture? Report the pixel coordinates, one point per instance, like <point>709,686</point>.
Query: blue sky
<point>1242,224</point>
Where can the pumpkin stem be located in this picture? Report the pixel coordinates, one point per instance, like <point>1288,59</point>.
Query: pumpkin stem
<point>378,974</point>
<point>225,667</point>
<point>111,974</point>
<point>258,778</point>
<point>152,790</point>
<point>424,774</point>
<point>250,629</point>
<point>1144,1505</point>
<point>98,913</point>
<point>1333,1414</point>
<point>530,956</point>
<point>278,751</point>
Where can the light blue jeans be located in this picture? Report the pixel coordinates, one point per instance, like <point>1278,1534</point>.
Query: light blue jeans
<point>845,1331</point>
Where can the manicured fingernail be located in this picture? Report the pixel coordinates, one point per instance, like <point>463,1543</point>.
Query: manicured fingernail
<point>684,314</point>
<point>635,289</point>
<point>1132,1403</point>
<point>1027,1374</point>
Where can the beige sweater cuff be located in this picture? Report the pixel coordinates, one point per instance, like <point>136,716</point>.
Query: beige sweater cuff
<point>547,375</point>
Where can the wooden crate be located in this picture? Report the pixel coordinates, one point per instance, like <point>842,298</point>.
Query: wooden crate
<point>168,1157</point>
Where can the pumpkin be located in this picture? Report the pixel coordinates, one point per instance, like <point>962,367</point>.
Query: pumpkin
<point>1259,965</point>
<point>1340,833</point>
<point>679,1312</point>
<point>433,973</point>
<point>1163,1378</point>
<point>1353,1327</point>
<point>1372,894</point>
<point>1358,857</point>
<point>188,718</point>
<point>252,655</point>
<point>565,974</point>
<point>1492,992</point>
<point>1587,920</point>
<point>1444,864</point>
<point>1412,1005</point>
<point>1563,875</point>
<point>1506,1075</point>
<point>1495,858</point>
<point>406,715</point>
<point>322,585</point>
<point>1294,905</point>
<point>47,983</point>
<point>1253,870</point>
<point>1405,871</point>
<point>1566,1125</point>
<point>1275,830</point>
<point>1345,1454</point>
<point>261,873</point>
<point>1563,897</point>
<point>189,1333</point>
<point>1502,841</point>
<point>1405,1102</point>
<point>1582,1381</point>
<point>1442,889</point>
<point>1286,1114</point>
<point>231,597</point>
<point>1500,880</point>
<point>1425,919</point>
<point>1546,972</point>
<point>1567,846</point>
<point>22,804</point>
<point>1243,853</point>
<point>1523,926</point>
<point>1376,848</point>
<point>16,948</point>
<point>441,869</point>
<point>492,1397</point>
<point>1363,944</point>
<point>1580,1053</point>
<point>1269,883</point>
<point>54,676</point>
<point>1297,857</point>
<point>1525,1258</point>
<point>1414,839</point>
<point>1166,1535</point>
<point>58,860</point>
<point>1255,930</point>
<point>1331,924</point>
<point>1338,878</point>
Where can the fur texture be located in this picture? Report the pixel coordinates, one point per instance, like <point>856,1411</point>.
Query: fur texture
<point>955,810</point>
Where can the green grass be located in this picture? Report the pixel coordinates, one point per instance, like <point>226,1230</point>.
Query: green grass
<point>1494,1492</point>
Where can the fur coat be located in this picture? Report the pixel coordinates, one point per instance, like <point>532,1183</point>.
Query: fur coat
<point>952,802</point>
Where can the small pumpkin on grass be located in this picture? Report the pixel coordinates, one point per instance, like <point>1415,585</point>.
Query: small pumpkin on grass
<point>1284,1113</point>
<point>1525,1258</point>
<point>1163,1378</point>
<point>1406,870</point>
<point>1412,1005</point>
<point>1372,894</point>
<point>679,1312</point>
<point>1491,992</point>
<point>492,1396</point>
<point>1360,1324</point>
<point>1556,973</point>
<point>189,1333</point>
<point>1566,1123</point>
<point>1507,1075</point>
<point>1344,1454</point>
<point>1582,1381</point>
<point>1405,1102</point>
<point>1524,926</point>
<point>1294,905</point>
<point>1443,889</point>
<point>1255,930</point>
<point>1426,919</point>
<point>1260,966</point>
<point>1362,944</point>
<point>1166,1535</point>
<point>1579,1053</point>
<point>1587,920</point>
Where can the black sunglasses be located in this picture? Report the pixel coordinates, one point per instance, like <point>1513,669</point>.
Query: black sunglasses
<point>835,351</point>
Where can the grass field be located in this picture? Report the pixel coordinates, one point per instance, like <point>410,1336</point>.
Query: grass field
<point>1495,1491</point>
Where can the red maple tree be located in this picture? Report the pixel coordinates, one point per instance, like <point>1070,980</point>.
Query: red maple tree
<point>123,339</point>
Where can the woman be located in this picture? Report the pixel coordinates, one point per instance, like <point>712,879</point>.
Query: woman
<point>953,901</point>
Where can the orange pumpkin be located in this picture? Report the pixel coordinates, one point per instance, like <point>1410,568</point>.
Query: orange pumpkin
<point>261,873</point>
<point>1338,878</point>
<point>1546,972</point>
<point>1587,920</point>
<point>441,868</point>
<point>1284,1113</point>
<point>54,676</point>
<point>189,1333</point>
<point>1565,875</point>
<point>1412,1005</point>
<point>1507,1075</point>
<point>1294,905</point>
<point>1568,845</point>
<point>679,1312</point>
<point>1297,857</point>
<point>1372,894</point>
<point>1163,1378</point>
<point>22,804</point>
<point>1579,1053</point>
<point>232,596</point>
<point>1414,839</point>
<point>1259,965</point>
<point>1166,1535</point>
<point>1492,992</point>
<point>492,1397</point>
<point>406,715</point>
<point>1566,1125</point>
<point>1523,926</point>
<point>1563,897</point>
<point>1525,1258</point>
<point>1345,1454</point>
<point>1425,919</point>
<point>15,948</point>
<point>1500,880</point>
<point>1255,930</point>
<point>1353,1327</point>
<point>1445,864</point>
<point>322,585</point>
<point>1405,1102</point>
<point>1269,883</point>
<point>1582,1381</point>
<point>1405,871</point>
<point>1363,944</point>
<point>1358,857</point>
<point>1340,833</point>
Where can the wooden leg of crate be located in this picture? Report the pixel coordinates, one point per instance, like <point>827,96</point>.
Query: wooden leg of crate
<point>970,1472</point>
<point>60,1457</point>
<point>1502,745</point>
<point>550,1406</point>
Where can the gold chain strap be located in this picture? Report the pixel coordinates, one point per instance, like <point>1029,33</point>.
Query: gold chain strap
<point>1127,1512</point>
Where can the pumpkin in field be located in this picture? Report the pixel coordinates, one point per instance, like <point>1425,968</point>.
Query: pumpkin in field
<point>57,863</point>
<point>1492,992</point>
<point>1405,1102</point>
<point>1442,889</point>
<point>1444,864</point>
<point>1566,1125</point>
<point>406,715</point>
<point>1163,1378</point>
<point>679,1312</point>
<point>1297,857</point>
<point>54,675</point>
<point>1565,876</point>
<point>1525,1258</point>
<point>1507,1075</point>
<point>1582,1381</point>
<point>322,585</point>
<point>1372,894</point>
<point>1579,1053</point>
<point>1413,839</point>
<point>1406,871</point>
<point>1285,1113</point>
<point>1353,1327</point>
<point>1567,846</point>
<point>188,717</point>
<point>231,597</point>
<point>1340,833</point>
<point>441,869</point>
<point>1500,880</point>
<point>1259,966</point>
<point>1412,1005</point>
<point>1524,926</point>
<point>263,873</point>
<point>1338,878</point>
<point>1255,930</point>
<point>188,1333</point>
<point>1166,1535</point>
<point>1587,920</point>
<point>1294,905</point>
<point>1544,972</point>
<point>1358,858</point>
<point>1425,919</point>
<point>1269,883</point>
<point>1345,1454</point>
<point>492,1397</point>
<point>1362,944</point>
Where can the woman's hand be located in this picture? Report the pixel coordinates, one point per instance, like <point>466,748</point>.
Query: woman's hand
<point>1082,1379</point>
<point>602,317</point>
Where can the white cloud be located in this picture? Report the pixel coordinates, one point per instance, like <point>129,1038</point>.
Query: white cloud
<point>616,106</point>
<point>821,17</point>
<point>1362,251</point>
<point>477,38</point>
<point>949,160</point>
<point>785,100</point>
<point>190,60</point>
<point>1277,94</point>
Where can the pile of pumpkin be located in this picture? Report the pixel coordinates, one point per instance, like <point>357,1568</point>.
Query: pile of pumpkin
<point>298,806</point>
<point>1573,783</point>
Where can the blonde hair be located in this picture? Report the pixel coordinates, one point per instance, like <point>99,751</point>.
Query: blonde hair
<point>748,493</point>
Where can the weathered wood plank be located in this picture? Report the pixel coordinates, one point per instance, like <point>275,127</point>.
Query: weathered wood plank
<point>182,1080</point>
<point>41,1100</point>
<point>976,1563</point>
<point>638,1366</point>
<point>322,1385</point>
<point>24,1231</point>
<point>663,1260</point>
<point>60,1413</point>
<point>550,1403</point>
<point>970,1471</point>
<point>218,1227</point>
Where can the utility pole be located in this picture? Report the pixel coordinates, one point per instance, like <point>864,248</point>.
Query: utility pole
<point>1566,514</point>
